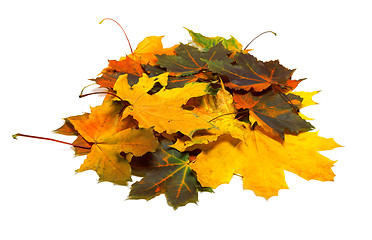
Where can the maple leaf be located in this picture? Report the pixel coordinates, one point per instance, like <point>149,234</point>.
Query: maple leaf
<point>83,147</point>
<point>174,81</point>
<point>148,48</point>
<point>162,110</point>
<point>307,98</point>
<point>273,112</point>
<point>110,136</point>
<point>261,161</point>
<point>169,173</point>
<point>67,128</point>
<point>179,82</point>
<point>116,68</point>
<point>306,101</point>
<point>190,60</point>
<point>107,79</point>
<point>131,65</point>
<point>208,42</point>
<point>250,73</point>
<point>258,158</point>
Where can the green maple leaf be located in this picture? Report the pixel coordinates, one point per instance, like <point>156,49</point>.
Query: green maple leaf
<point>169,173</point>
<point>250,73</point>
<point>208,42</point>
<point>190,60</point>
<point>275,113</point>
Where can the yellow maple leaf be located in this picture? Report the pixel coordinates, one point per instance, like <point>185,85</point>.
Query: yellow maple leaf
<point>109,137</point>
<point>258,158</point>
<point>261,161</point>
<point>162,110</point>
<point>307,101</point>
<point>307,98</point>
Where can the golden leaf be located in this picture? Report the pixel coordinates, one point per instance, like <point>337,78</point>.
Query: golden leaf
<point>261,161</point>
<point>162,110</point>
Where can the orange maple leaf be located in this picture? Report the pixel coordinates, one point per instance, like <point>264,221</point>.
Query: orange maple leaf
<point>147,50</point>
<point>145,53</point>
<point>109,137</point>
<point>116,68</point>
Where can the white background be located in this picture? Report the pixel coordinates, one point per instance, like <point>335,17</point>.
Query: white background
<point>48,51</point>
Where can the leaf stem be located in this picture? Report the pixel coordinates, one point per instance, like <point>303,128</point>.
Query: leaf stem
<point>257,37</point>
<point>110,93</point>
<point>82,90</point>
<point>130,46</point>
<point>49,139</point>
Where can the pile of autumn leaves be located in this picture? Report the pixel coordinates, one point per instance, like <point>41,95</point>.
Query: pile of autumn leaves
<point>188,118</point>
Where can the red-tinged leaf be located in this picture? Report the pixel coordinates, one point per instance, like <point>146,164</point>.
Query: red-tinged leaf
<point>281,76</point>
<point>249,73</point>
<point>107,80</point>
<point>290,85</point>
<point>275,113</point>
<point>190,60</point>
<point>116,68</point>
<point>126,65</point>
<point>169,173</point>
